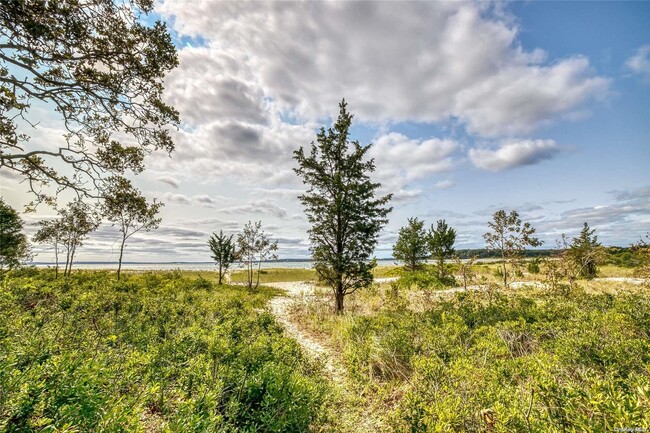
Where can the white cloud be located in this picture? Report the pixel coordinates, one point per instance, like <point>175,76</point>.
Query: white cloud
<point>640,62</point>
<point>443,184</point>
<point>514,153</point>
<point>439,60</point>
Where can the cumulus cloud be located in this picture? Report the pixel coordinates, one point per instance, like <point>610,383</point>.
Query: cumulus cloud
<point>639,63</point>
<point>443,184</point>
<point>514,153</point>
<point>260,207</point>
<point>439,60</point>
<point>169,181</point>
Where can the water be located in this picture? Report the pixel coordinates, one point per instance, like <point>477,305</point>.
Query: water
<point>201,266</point>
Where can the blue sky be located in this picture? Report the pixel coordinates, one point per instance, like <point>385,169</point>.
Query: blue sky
<point>541,107</point>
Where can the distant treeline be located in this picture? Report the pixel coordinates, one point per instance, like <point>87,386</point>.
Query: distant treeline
<point>619,256</point>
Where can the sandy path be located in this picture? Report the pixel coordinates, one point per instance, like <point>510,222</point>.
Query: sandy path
<point>296,291</point>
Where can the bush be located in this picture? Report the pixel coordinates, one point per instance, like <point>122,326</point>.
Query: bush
<point>88,353</point>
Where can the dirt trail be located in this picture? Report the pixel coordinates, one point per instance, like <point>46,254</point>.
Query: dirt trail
<point>296,291</point>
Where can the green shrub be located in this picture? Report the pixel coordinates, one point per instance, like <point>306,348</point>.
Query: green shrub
<point>154,351</point>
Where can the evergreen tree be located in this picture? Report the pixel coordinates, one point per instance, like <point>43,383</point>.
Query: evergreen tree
<point>223,252</point>
<point>14,248</point>
<point>441,245</point>
<point>586,252</point>
<point>412,247</point>
<point>341,206</point>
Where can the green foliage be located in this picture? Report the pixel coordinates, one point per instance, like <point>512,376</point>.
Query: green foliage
<point>586,252</point>
<point>515,363</point>
<point>99,65</point>
<point>254,247</point>
<point>223,252</point>
<point>412,247</point>
<point>441,245</point>
<point>152,352</point>
<point>341,206</point>
<point>125,206</point>
<point>533,265</point>
<point>509,237</point>
<point>13,243</point>
<point>75,223</point>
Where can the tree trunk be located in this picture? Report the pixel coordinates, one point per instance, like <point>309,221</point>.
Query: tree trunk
<point>339,295</point>
<point>119,265</point>
<point>259,268</point>
<point>441,267</point>
<point>74,247</point>
<point>503,269</point>
<point>56,261</point>
<point>220,273</point>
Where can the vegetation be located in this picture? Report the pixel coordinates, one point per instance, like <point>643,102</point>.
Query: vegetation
<point>525,360</point>
<point>254,247</point>
<point>125,206</point>
<point>76,222</point>
<point>585,251</point>
<point>14,248</point>
<point>152,352</point>
<point>99,66</point>
<point>441,245</point>
<point>412,247</point>
<point>509,237</point>
<point>223,252</point>
<point>341,206</point>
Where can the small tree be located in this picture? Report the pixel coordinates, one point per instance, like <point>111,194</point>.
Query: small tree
<point>411,247</point>
<point>77,221</point>
<point>223,252</point>
<point>586,252</point>
<point>125,207</point>
<point>466,270</point>
<point>441,245</point>
<point>341,206</point>
<point>51,232</point>
<point>255,247</point>
<point>14,248</point>
<point>510,237</point>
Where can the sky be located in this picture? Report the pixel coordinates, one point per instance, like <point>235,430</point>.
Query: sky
<point>538,107</point>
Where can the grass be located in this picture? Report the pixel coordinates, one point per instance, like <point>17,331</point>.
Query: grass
<point>504,361</point>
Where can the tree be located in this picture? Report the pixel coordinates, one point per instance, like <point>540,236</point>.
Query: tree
<point>466,270</point>
<point>124,206</point>
<point>441,245</point>
<point>341,206</point>
<point>14,247</point>
<point>77,221</point>
<point>51,232</point>
<point>510,237</point>
<point>223,252</point>
<point>411,247</point>
<point>255,247</point>
<point>99,67</point>
<point>586,252</point>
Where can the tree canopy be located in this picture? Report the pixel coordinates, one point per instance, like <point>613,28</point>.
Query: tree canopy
<point>223,252</point>
<point>342,208</point>
<point>98,67</point>
<point>441,245</point>
<point>412,247</point>
<point>126,207</point>
<point>14,247</point>
<point>510,237</point>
